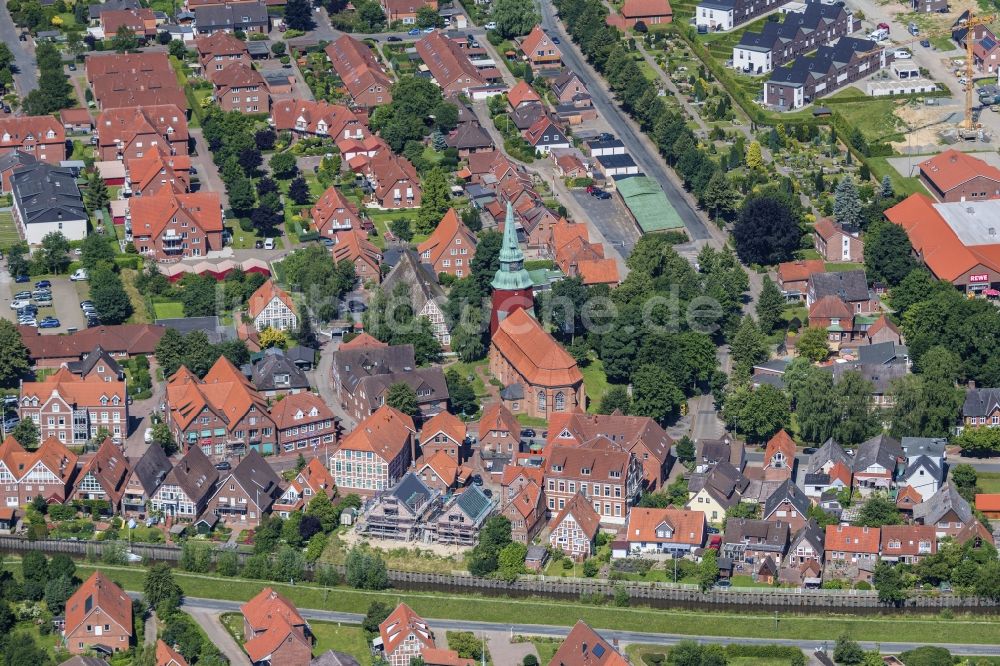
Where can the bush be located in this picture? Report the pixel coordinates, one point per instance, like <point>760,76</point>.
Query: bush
<point>590,568</point>
<point>654,658</point>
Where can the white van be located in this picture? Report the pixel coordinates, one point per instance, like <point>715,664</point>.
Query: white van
<point>269,244</point>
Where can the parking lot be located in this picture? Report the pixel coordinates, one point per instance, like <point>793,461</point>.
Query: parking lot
<point>611,218</point>
<point>65,302</point>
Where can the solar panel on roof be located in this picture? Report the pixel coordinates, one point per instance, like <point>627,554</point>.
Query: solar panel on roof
<point>598,650</point>
<point>988,43</point>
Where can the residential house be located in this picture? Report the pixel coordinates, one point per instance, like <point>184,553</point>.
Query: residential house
<point>924,476</point>
<point>394,182</point>
<point>47,472</point>
<point>523,354</point>
<point>97,363</point>
<point>221,413</point>
<point>649,12</point>
<point>545,135</point>
<point>246,17</point>
<point>403,635</point>
<point>661,532</point>
<point>129,133</point>
<point>401,513</point>
<point>95,10</point>
<point>427,298</point>
<point>103,477</point>
<point>601,471</point>
<point>187,487</point>
<point>134,80</point>
<point>98,617</point>
<point>749,542</point>
<point>838,242</point>
<point>11,162</point>
<point>946,511</point>
<point>144,478</point>
<point>317,118</point>
<point>439,472</point>
<point>448,63</point>
<point>366,81</point>
<point>883,330</point>
<point>522,501</point>
<point>716,491</point>
<point>376,454</point>
<point>499,433</point>
<point>574,528</point>
<point>469,138</point>
<point>986,52</point>
<point>450,247</point>
<point>724,15</point>
<point>274,631</point>
<point>976,533</point>
<point>42,137</point>
<point>353,246</point>
<point>779,457</point>
<point>806,545</point>
<point>793,276</point>
<point>833,315</point>
<point>585,647</point>
<point>312,480</point>
<point>405,11</point>
<point>244,494</point>
<point>778,43</point>
<point>304,422</point>
<point>953,177</point>
<point>72,409</point>
<point>47,199</point>
<point>171,227</point>
<point>906,499</point>
<point>908,543</point>
<point>827,70</point>
<point>240,87</point>
<point>539,50</point>
<point>461,517</point>
<point>576,256</point>
<point>522,93</point>
<point>570,90</point>
<point>77,121</point>
<point>640,435</point>
<point>879,364</point>
<point>443,433</point>
<point>218,50</point>
<point>981,407</point>
<point>156,172</point>
<point>710,452</point>
<point>271,307</point>
<point>848,546</point>
<point>140,22</point>
<point>788,504</point>
<point>364,368</point>
<point>988,504</point>
<point>122,341</point>
<point>167,656</point>
<point>333,213</point>
<point>875,464</point>
<point>849,286</point>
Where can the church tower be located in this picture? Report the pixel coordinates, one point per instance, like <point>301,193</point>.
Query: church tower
<point>512,286</point>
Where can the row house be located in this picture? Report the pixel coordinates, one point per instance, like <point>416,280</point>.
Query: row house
<point>42,137</point>
<point>800,32</point>
<point>723,15</point>
<point>639,435</point>
<point>103,477</point>
<point>240,87</point>
<point>806,545</point>
<point>312,480</point>
<point>908,543</point>
<point>787,504</point>
<point>401,512</point>
<point>121,342</point>
<point>666,532</point>
<point>850,547</point>
<point>448,64</point>
<point>73,409</point>
<point>450,247</point>
<point>222,413</point>
<point>364,369</point>
<point>157,172</point>
<point>333,213</point>
<point>46,472</point>
<point>308,118</point>
<point>140,22</point>
<point>574,528</point>
<point>218,50</point>
<point>171,227</point>
<point>98,617</point>
<point>576,256</point>
<point>499,435</point>
<point>875,464</point>
<point>443,433</point>
<point>143,480</point>
<point>304,423</point>
<point>838,242</point>
<point>243,495</point>
<point>274,630</point>
<point>247,17</point>
<point>134,80</point>
<point>750,542</point>
<point>826,71</point>
<point>354,247</point>
<point>10,162</point>
<point>272,307</point>
<point>522,501</point>
<point>128,133</point>
<point>366,81</point>
<point>376,454</point>
<point>427,298</point>
<point>716,491</point>
<point>460,519</point>
<point>187,487</point>
<point>601,471</point>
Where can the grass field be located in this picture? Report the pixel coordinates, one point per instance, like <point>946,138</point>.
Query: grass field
<point>546,649</point>
<point>874,118</point>
<point>842,267</point>
<point>139,313</point>
<point>342,638</point>
<point>168,310</point>
<point>8,230</point>
<point>596,383</point>
<point>901,185</point>
<point>989,482</point>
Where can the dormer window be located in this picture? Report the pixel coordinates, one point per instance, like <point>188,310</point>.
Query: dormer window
<point>585,471</point>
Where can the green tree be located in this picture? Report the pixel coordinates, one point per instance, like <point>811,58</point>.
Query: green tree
<point>878,511</point>
<point>227,564</point>
<point>616,400</point>
<point>283,166</point>
<point>708,569</point>
<point>979,441</point>
<point>888,580</point>
<point>299,15</point>
<point>427,17</point>
<point>812,343</point>
<point>53,255</point>
<point>96,249</point>
<point>756,413</point>
<point>124,40</point>
<point>770,305</point>
<point>322,508</point>
<point>926,656</point>
<point>847,651</point>
<point>685,449</point>
<point>815,405</point>
<point>721,198</point>
<point>160,591</point>
<point>434,201</point>
<point>514,18</point>
<point>766,230</point>
<point>511,561</point>
<point>400,396</point>
<point>888,253</point>
<point>370,16</point>
<point>241,194</point>
<point>857,420</point>
<point>847,203</point>
<point>754,158</point>
<point>924,406</point>
<point>198,295</point>
<point>461,393</point>
<point>96,197</point>
<point>26,433</point>
<point>748,347</point>
<point>655,394</point>
<point>109,295</point>
<point>14,362</point>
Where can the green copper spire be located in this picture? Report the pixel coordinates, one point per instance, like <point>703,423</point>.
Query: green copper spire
<point>511,275</point>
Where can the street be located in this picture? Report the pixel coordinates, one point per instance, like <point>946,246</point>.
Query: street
<point>26,77</point>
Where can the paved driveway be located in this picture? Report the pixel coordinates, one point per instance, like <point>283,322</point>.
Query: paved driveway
<point>208,173</point>
<point>26,78</point>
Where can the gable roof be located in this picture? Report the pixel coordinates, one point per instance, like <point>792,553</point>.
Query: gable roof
<point>951,168</point>
<point>386,432</point>
<point>356,66</point>
<point>535,39</point>
<point>781,443</point>
<point>831,451</point>
<point>849,286</point>
<point>534,353</point>
<point>522,93</point>
<point>422,284</point>
<point>120,126</point>
<point>448,64</point>
<point>257,478</point>
<point>109,468</point>
<point>811,533</point>
<point>981,402</point>
<point>881,449</point>
<point>475,504</point>
<point>123,339</point>
<point>796,271</point>
<point>167,656</point>
<point>152,468</point>
<point>15,130</point>
<point>401,623</point>
<point>450,227</point>
<point>194,473</point>
<point>98,592</point>
<point>151,215</point>
<point>851,539</point>
<point>787,492</point>
<point>907,497</point>
<point>687,527</point>
<point>627,431</point>
<point>45,193</point>
<point>946,499</point>
<point>352,246</point>
<point>266,293</point>
<point>585,647</point>
<point>583,513</point>
<point>267,605</point>
<point>86,364</point>
<point>286,412</point>
<point>77,391</point>
<point>334,118</point>
<point>261,647</point>
<point>444,422</point>
<point>639,9</point>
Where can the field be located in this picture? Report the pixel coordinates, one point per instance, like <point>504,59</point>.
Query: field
<point>8,230</point>
<point>873,117</point>
<point>989,482</point>
<point>342,638</point>
<point>168,310</point>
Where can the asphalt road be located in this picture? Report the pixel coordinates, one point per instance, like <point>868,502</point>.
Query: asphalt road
<point>198,605</point>
<point>26,78</point>
<point>643,155</point>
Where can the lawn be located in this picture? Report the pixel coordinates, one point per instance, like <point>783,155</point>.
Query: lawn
<point>595,381</point>
<point>901,185</point>
<point>843,267</point>
<point>243,240</point>
<point>342,638</point>
<point>546,648</point>
<point>989,482</point>
<point>526,420</point>
<point>139,313</point>
<point>168,310</point>
<point>472,370</point>
<point>969,629</point>
<point>8,230</point>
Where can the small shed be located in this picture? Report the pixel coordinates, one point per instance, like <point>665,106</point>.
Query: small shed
<point>77,120</point>
<point>113,172</point>
<point>536,558</point>
<point>259,49</point>
<point>8,518</point>
<point>205,524</point>
<point>767,571</point>
<point>348,516</point>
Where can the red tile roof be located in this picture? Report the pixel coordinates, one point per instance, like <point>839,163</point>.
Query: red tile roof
<point>167,656</point>
<point>851,539</point>
<point>352,246</point>
<point>15,130</point>
<point>386,433</point>
<point>831,307</point>
<point>906,540</point>
<point>783,443</point>
<point>585,647</point>
<point>534,353</point>
<point>799,271</point>
<point>443,422</point>
<point>120,126</point>
<point>357,66</point>
<point>266,606</point>
<point>988,501</point>
<point>333,206</point>
<point>362,340</point>
<point>317,118</point>
<point>639,9</point>
<point>151,215</point>
<point>75,389</point>
<point>400,624</point>
<point>298,408</point>
<point>444,233</point>
<point>122,339</point>
<point>263,645</point>
<point>685,527</point>
<point>533,40</point>
<point>99,592</point>
<point>448,64</point>
<point>521,94</point>
<point>949,169</point>
<point>442,657</point>
<point>110,469</point>
<point>266,293</point>
<point>583,513</point>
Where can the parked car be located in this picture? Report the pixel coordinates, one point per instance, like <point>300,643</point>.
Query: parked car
<point>428,30</point>
<point>79,274</point>
<point>11,423</point>
<point>29,321</point>
<point>19,303</point>
<point>22,278</point>
<point>394,38</point>
<point>268,243</point>
<point>602,194</point>
<point>414,32</point>
<point>223,466</point>
<point>555,40</point>
<point>902,54</point>
<point>43,284</point>
<point>492,25</point>
<point>528,432</point>
<point>356,306</point>
<point>22,295</point>
<point>926,43</point>
<point>49,322</point>
<point>259,244</point>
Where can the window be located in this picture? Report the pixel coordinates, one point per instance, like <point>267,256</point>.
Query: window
<point>560,401</point>
<point>541,401</point>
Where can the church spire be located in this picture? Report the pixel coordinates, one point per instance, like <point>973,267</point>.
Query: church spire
<point>511,275</point>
